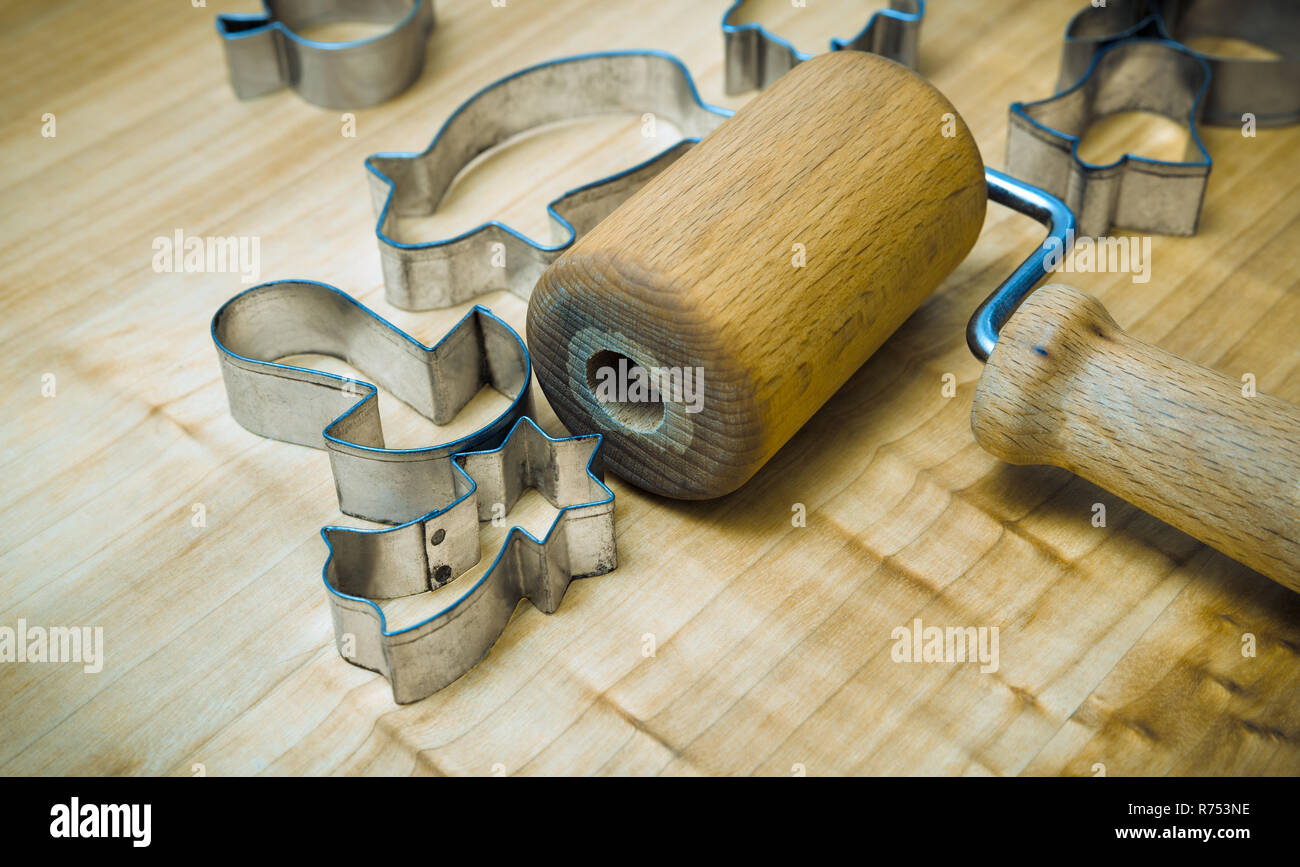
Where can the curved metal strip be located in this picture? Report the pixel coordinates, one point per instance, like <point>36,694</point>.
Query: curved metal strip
<point>1265,89</point>
<point>431,551</point>
<point>988,319</point>
<point>310,407</point>
<point>266,52</point>
<point>1134,192</point>
<point>492,256</point>
<point>754,56</point>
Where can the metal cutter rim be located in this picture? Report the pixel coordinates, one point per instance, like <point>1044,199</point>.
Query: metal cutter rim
<point>373,389</point>
<point>273,22</point>
<point>570,232</point>
<point>1020,109</point>
<point>505,544</point>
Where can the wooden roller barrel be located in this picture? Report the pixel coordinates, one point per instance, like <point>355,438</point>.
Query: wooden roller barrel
<point>753,277</point>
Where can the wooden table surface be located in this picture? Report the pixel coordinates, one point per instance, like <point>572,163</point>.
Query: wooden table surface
<point>728,641</point>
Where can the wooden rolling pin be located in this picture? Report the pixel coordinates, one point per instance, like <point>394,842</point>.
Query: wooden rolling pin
<point>779,253</point>
<point>758,272</point>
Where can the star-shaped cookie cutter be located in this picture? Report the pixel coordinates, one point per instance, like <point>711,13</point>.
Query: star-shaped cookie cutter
<point>267,52</point>
<point>261,325</point>
<point>1135,192</point>
<point>1267,89</point>
<point>492,256</point>
<point>755,56</point>
<point>431,551</point>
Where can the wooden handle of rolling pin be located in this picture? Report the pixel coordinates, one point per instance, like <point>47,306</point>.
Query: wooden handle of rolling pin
<point>1065,386</point>
<point>771,260</point>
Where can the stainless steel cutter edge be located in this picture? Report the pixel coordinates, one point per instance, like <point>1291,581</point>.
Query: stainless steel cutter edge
<point>313,408</point>
<point>364,565</point>
<point>1135,192</point>
<point>1267,89</point>
<point>754,56</point>
<point>263,54</point>
<point>441,273</point>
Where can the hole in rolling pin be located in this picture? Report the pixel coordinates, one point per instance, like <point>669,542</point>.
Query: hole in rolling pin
<point>625,390</point>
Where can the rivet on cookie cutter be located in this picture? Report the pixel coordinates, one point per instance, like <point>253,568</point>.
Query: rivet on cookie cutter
<point>755,57</point>
<point>364,565</point>
<point>313,408</point>
<point>265,52</point>
<point>1134,192</point>
<point>434,274</point>
<point>1267,89</point>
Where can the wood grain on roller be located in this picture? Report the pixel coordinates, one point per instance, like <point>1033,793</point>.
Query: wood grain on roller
<point>1065,386</point>
<point>846,156</point>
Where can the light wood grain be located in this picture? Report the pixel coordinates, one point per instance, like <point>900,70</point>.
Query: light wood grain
<point>760,270</point>
<point>1217,459</point>
<point>1121,645</point>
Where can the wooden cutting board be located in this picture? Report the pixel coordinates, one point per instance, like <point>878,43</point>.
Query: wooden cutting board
<point>730,640</point>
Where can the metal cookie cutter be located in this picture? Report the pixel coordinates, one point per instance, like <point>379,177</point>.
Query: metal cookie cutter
<point>265,52</point>
<point>1135,192</point>
<point>365,565</point>
<point>296,404</point>
<point>755,57</point>
<point>1268,89</point>
<point>434,274</point>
